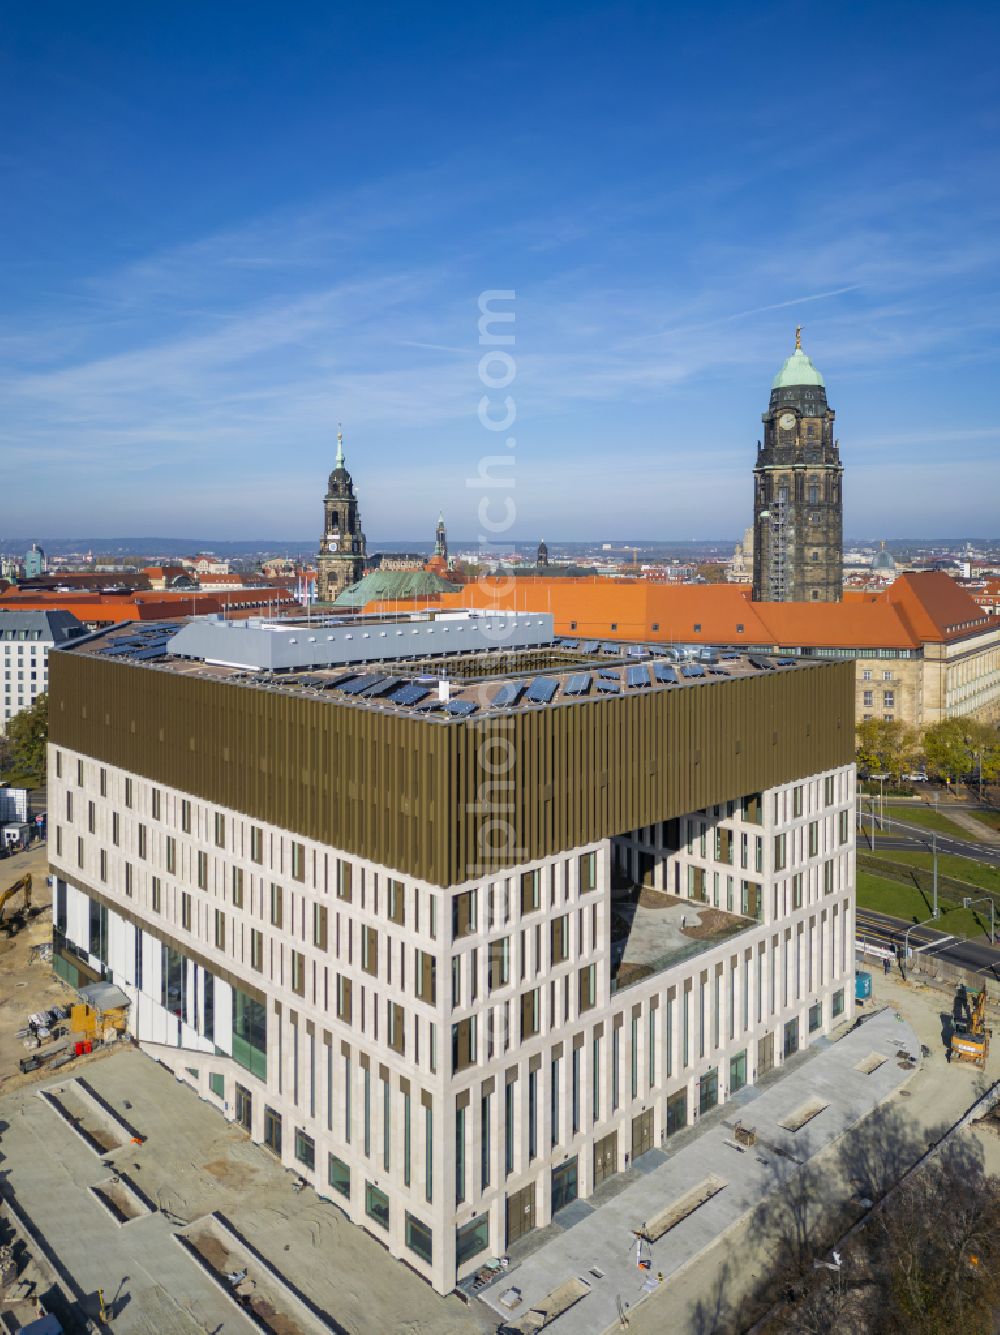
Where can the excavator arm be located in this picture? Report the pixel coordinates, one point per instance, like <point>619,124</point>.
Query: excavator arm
<point>22,886</point>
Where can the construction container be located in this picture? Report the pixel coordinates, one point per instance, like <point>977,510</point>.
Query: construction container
<point>862,985</point>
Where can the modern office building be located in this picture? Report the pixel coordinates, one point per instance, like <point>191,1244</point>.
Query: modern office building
<point>458,919</point>
<point>25,641</point>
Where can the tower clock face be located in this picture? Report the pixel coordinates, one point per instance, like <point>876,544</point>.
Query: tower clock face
<point>786,421</point>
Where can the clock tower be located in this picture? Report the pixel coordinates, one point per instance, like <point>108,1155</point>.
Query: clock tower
<point>342,549</point>
<point>798,552</point>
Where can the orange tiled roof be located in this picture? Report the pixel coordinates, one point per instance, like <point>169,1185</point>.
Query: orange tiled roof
<point>918,608</point>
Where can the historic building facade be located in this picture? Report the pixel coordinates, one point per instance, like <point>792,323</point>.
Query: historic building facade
<point>342,549</point>
<point>798,498</point>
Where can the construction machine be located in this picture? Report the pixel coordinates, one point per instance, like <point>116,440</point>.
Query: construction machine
<point>971,1041</point>
<point>17,917</point>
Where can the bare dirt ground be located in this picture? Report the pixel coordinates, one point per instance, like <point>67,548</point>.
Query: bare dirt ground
<point>25,987</point>
<point>224,1262</point>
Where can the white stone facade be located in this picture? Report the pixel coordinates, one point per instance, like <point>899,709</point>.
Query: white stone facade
<point>455,1123</point>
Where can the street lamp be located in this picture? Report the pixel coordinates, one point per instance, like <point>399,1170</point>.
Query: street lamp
<point>906,937</point>
<point>970,903</point>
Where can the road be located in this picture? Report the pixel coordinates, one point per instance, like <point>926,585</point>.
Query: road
<point>881,929</point>
<point>904,836</point>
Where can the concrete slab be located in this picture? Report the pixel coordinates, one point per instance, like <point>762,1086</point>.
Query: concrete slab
<point>605,1241</point>
<point>191,1163</point>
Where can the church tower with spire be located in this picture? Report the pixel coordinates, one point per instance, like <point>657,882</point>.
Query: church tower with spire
<point>342,548</point>
<point>441,539</point>
<point>798,554</point>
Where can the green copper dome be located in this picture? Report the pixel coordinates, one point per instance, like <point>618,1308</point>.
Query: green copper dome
<point>797,370</point>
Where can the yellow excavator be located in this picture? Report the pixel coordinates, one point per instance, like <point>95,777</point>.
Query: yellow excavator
<point>22,886</point>
<point>971,1042</point>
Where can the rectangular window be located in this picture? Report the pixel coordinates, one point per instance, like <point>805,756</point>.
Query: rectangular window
<point>471,1239</point>
<point>343,880</point>
<point>202,870</point>
<point>418,1238</point>
<point>320,926</point>
<point>338,1175</point>
<point>237,887</point>
<point>376,1205</point>
<point>220,830</point>
<point>499,963</point>
<point>587,988</point>
<point>463,1044</point>
<point>780,852</point>
<point>128,792</point>
<point>185,911</point>
<point>530,890</point>
<point>343,998</point>
<point>92,818</point>
<point>298,861</point>
<point>298,973</point>
<point>217,1085</point>
<point>395,1026</point>
<point>185,815</point>
<point>256,950</point>
<point>128,879</point>
<point>426,977</point>
<point>386,1125</point>
<point>369,950</point>
<point>429,1152</point>
<point>484,1142</point>
<point>828,790</point>
<point>843,832</point>
<point>530,1007</point>
<point>156,895</point>
<point>171,854</point>
<point>508,1129</point>
<point>459,1155</point>
<point>588,872</point>
<point>256,844</point>
<point>838,1003</point>
<point>305,1150</point>
<point>272,1130</point>
<point>463,914</point>
<point>395,906</point>
<point>154,803</point>
<point>220,930</point>
<point>276,905</point>
<point>559,939</point>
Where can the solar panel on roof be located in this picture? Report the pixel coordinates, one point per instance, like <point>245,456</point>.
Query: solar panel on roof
<point>360,684</point>
<point>638,676</point>
<point>692,670</point>
<point>787,662</point>
<point>508,695</point>
<point>409,694</point>
<point>315,682</point>
<point>578,684</point>
<point>567,644</point>
<point>610,673</point>
<point>541,690</point>
<point>142,654</point>
<point>762,664</point>
<point>664,673</point>
<point>461,708</point>
<point>589,647</point>
<point>637,651</point>
<point>383,687</point>
<point>607,685</point>
<point>609,648</point>
<point>339,682</point>
<point>113,650</point>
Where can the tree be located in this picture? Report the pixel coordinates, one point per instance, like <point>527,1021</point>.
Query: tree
<point>957,746</point>
<point>28,734</point>
<point>885,746</point>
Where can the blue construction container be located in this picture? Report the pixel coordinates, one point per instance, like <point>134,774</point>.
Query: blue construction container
<point>862,985</point>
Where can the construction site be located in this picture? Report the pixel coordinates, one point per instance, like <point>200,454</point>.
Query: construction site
<point>129,1204</point>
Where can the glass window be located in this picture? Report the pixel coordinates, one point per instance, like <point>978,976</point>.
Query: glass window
<point>471,1239</point>
<point>338,1174</point>
<point>272,1130</point>
<point>838,1002</point>
<point>305,1149</point>
<point>217,1085</point>
<point>376,1204</point>
<point>418,1238</point>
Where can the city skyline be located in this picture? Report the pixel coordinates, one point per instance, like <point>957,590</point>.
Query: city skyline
<point>221,258</point>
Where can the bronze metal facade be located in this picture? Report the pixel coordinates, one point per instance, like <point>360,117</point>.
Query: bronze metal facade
<point>450,802</point>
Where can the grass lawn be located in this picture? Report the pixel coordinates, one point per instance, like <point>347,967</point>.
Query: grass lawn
<point>927,818</point>
<point>912,905</point>
<point>988,818</point>
<point>963,869</point>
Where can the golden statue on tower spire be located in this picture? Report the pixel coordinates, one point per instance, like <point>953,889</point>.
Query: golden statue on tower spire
<point>798,338</point>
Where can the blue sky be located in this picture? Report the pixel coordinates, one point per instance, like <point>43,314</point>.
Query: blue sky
<point>225,228</point>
